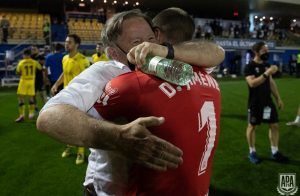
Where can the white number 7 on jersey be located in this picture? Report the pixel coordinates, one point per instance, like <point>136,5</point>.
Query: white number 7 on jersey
<point>207,117</point>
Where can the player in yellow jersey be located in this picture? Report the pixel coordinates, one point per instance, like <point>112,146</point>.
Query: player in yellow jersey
<point>73,64</point>
<point>27,71</point>
<point>100,54</point>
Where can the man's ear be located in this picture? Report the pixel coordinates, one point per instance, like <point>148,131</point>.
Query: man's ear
<point>158,35</point>
<point>156,31</point>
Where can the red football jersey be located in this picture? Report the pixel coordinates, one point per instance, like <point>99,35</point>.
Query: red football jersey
<point>192,118</point>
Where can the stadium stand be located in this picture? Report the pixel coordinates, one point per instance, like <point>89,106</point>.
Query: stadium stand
<point>25,26</point>
<point>88,29</point>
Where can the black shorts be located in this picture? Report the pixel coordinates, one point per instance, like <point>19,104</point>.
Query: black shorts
<point>39,82</point>
<point>256,115</point>
<point>39,85</point>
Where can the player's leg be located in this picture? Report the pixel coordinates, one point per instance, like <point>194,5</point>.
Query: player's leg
<point>42,95</point>
<point>274,135</point>
<point>250,134</point>
<point>32,101</point>
<point>254,119</point>
<point>274,140</point>
<point>47,91</point>
<point>80,156</point>
<point>21,108</point>
<point>296,122</point>
<point>31,107</point>
<point>36,109</point>
<point>67,151</point>
<point>21,92</point>
<point>39,91</point>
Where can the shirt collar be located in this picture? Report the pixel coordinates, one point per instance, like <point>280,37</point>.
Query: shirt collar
<point>76,55</point>
<point>119,65</point>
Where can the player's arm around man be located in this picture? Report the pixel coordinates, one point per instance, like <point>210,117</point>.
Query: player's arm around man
<point>201,53</point>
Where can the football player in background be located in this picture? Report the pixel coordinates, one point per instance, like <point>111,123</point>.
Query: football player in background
<point>100,54</point>
<point>73,64</point>
<point>39,75</point>
<point>53,67</point>
<point>27,71</point>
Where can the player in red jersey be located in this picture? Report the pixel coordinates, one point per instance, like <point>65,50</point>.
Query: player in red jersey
<point>192,116</point>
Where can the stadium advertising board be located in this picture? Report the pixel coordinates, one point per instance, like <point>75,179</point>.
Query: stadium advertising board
<point>241,43</point>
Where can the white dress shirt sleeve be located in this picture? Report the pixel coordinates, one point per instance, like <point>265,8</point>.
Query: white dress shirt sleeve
<point>84,90</point>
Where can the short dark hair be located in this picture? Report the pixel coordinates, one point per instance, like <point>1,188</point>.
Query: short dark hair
<point>100,44</point>
<point>257,46</point>
<point>76,38</point>
<point>176,24</point>
<point>113,27</point>
<point>27,52</point>
<point>58,47</point>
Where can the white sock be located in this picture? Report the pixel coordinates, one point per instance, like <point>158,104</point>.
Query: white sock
<point>274,149</point>
<point>297,119</point>
<point>252,149</point>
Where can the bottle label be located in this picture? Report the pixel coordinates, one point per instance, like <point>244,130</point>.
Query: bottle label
<point>153,63</point>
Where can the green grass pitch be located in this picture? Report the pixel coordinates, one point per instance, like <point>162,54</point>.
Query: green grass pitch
<point>30,162</point>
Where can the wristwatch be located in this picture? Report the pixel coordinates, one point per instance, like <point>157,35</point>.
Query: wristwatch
<point>170,47</point>
<point>265,75</point>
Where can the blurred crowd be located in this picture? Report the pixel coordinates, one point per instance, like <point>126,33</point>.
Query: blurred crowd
<point>262,29</point>
<point>219,28</point>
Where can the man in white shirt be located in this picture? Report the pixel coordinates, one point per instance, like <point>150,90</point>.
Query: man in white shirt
<point>107,170</point>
